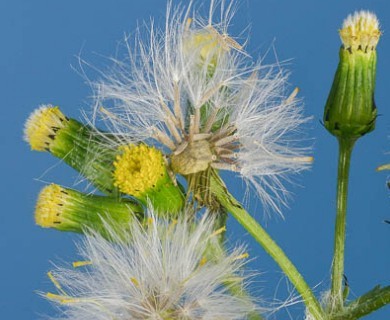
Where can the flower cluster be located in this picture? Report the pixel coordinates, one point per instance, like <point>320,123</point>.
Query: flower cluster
<point>187,103</point>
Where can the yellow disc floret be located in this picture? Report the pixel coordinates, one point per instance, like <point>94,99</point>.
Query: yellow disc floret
<point>50,205</point>
<point>138,169</point>
<point>360,31</point>
<point>42,126</point>
<point>208,45</point>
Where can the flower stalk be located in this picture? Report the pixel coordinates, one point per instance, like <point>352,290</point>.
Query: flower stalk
<point>350,113</point>
<point>269,245</point>
<point>345,152</point>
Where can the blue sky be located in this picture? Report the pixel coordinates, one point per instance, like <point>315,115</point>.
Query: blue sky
<point>40,43</point>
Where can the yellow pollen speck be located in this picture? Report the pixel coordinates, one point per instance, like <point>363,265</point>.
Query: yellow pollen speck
<point>134,281</point>
<point>78,264</point>
<point>360,31</point>
<point>383,167</point>
<point>55,282</point>
<point>64,299</point>
<point>138,169</point>
<point>218,232</point>
<point>171,226</point>
<point>242,256</point>
<point>202,262</point>
<point>42,126</point>
<point>50,205</point>
<point>188,23</point>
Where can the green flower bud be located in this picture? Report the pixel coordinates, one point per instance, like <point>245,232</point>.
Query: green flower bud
<point>48,129</point>
<point>69,210</point>
<point>350,111</point>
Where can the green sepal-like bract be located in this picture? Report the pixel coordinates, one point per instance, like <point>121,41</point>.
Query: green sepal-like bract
<point>350,110</point>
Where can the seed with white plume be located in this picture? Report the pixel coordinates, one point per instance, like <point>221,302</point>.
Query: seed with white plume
<point>160,271</point>
<point>193,91</point>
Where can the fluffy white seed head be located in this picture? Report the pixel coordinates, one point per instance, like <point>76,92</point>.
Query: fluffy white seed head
<point>162,73</point>
<point>191,81</point>
<point>161,271</point>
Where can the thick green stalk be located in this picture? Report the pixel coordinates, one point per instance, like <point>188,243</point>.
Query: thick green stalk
<point>345,151</point>
<point>263,238</point>
<point>366,304</point>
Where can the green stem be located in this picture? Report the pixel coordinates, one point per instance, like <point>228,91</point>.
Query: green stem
<point>345,151</point>
<point>366,304</point>
<point>263,238</point>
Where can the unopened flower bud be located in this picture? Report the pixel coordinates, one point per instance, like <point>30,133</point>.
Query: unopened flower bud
<point>69,210</point>
<point>48,129</point>
<point>350,111</point>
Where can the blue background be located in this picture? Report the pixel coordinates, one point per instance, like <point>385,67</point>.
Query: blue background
<point>40,41</point>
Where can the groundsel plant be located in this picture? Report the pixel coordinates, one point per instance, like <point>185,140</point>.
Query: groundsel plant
<point>162,270</point>
<point>193,92</point>
<point>186,103</point>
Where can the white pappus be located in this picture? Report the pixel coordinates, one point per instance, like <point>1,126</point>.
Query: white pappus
<point>191,90</point>
<point>161,271</point>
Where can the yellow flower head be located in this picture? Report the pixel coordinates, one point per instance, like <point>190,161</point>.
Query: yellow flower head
<point>360,31</point>
<point>50,206</point>
<point>42,126</point>
<point>138,169</point>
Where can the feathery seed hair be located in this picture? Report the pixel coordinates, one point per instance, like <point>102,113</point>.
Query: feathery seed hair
<point>191,90</point>
<point>159,271</point>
